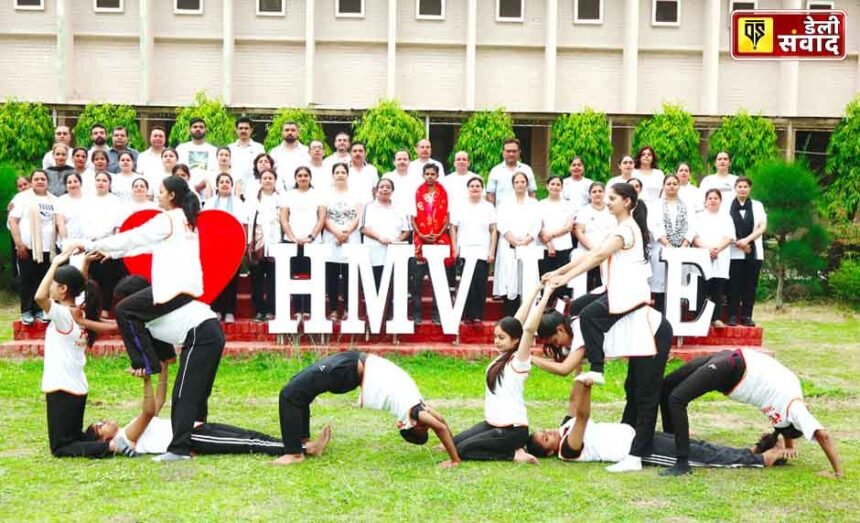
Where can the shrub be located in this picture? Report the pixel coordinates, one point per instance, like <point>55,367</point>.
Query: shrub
<point>845,281</point>
<point>309,129</point>
<point>26,133</point>
<point>483,135</point>
<point>220,124</point>
<point>386,129</point>
<point>673,137</point>
<point>842,198</point>
<point>110,116</point>
<point>586,135</point>
<point>749,140</point>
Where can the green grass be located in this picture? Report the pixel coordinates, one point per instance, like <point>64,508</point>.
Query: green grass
<point>369,474</point>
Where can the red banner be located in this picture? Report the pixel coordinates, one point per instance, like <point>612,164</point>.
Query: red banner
<point>788,35</point>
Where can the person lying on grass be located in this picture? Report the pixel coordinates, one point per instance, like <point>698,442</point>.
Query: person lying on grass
<point>148,433</point>
<point>581,439</point>
<point>384,386</point>
<point>63,380</point>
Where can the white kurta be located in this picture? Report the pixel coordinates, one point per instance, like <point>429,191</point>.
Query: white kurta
<point>657,213</point>
<point>520,219</point>
<point>712,229</point>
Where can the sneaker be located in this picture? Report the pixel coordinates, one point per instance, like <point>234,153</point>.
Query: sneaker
<point>747,322</point>
<point>270,316</point>
<point>40,317</point>
<point>595,377</point>
<point>218,315</point>
<point>628,464</point>
<point>678,469</point>
<point>333,316</point>
<point>27,318</point>
<point>169,456</point>
<point>718,324</point>
<point>124,447</point>
<point>260,317</point>
<point>229,318</point>
<point>733,321</point>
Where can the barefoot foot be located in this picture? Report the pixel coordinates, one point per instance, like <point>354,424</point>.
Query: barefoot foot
<point>316,448</point>
<point>289,459</point>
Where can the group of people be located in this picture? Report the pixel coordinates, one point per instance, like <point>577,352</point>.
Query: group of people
<point>295,194</point>
<point>615,322</point>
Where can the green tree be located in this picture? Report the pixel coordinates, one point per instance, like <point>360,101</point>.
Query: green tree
<point>386,129</point>
<point>26,133</point>
<point>586,135</point>
<point>309,128</point>
<point>673,137</point>
<point>220,124</point>
<point>110,116</point>
<point>483,135</point>
<point>842,197</point>
<point>789,193</point>
<point>749,140</point>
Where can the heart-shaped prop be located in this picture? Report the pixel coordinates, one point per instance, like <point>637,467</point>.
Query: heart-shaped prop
<point>222,245</point>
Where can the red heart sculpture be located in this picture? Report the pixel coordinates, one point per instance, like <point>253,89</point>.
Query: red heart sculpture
<point>222,245</point>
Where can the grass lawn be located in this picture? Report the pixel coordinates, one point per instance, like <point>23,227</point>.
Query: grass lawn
<point>369,474</point>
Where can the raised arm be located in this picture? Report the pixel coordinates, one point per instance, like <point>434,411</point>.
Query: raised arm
<point>147,412</point>
<point>581,410</point>
<point>43,293</point>
<point>138,240</point>
<point>526,303</point>
<point>561,368</point>
<point>588,261</point>
<point>531,324</point>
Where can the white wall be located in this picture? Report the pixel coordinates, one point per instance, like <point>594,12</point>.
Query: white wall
<point>669,77</point>
<point>510,78</point>
<point>180,69</point>
<point>269,74</point>
<point>28,68</point>
<point>450,30</point>
<point>247,24</point>
<point>826,87</point>
<point>588,79</point>
<point>350,75</point>
<point>753,86</point>
<point>431,77</point>
<point>106,70</point>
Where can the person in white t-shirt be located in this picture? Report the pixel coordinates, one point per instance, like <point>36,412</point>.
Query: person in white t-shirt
<point>362,175</point>
<point>625,166</point>
<point>149,162</point>
<point>70,210</point>
<point>343,216</point>
<point>289,155</point>
<point>714,230</point>
<point>555,232</point>
<point>226,200</point>
<point>319,174</point>
<point>456,181</point>
<point>243,151</point>
<point>199,155</point>
<point>592,225</point>
<point>98,137</point>
<point>475,227</point>
<point>500,187</point>
<point>264,230</point>
<point>423,149</point>
<point>382,224</point>
<point>647,172</point>
<point>405,182</point>
<point>575,188</point>
<point>692,196</point>
<point>384,386</point>
<point>123,179</point>
<point>62,134</point>
<point>504,432</point>
<point>722,180</point>
<point>747,252</point>
<point>341,152</point>
<point>747,376</point>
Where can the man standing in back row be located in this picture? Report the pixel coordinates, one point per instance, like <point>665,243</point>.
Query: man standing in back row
<point>500,185</point>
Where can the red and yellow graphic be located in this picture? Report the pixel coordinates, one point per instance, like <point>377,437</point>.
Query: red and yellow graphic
<point>788,35</point>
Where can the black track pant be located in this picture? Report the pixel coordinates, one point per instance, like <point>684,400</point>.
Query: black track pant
<point>337,284</point>
<point>720,372</point>
<point>477,297</point>
<point>225,303</point>
<point>31,276</point>
<point>65,421</point>
<point>595,321</point>
<point>198,364</point>
<point>218,438</point>
<point>337,374</point>
<point>643,385</point>
<point>132,312</point>
<point>263,286</point>
<point>715,289</point>
<point>702,454</point>
<point>107,274</point>
<point>743,282</point>
<point>484,442</point>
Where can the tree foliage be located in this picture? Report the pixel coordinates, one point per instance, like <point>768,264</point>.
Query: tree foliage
<point>483,135</point>
<point>109,115</point>
<point>220,124</point>
<point>845,281</point>
<point>789,193</point>
<point>586,135</point>
<point>26,133</point>
<point>673,136</point>
<point>309,128</point>
<point>842,197</point>
<point>385,129</point>
<point>749,140</point>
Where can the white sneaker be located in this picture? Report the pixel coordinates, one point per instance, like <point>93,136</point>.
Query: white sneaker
<point>596,378</point>
<point>229,318</point>
<point>628,464</point>
<point>169,456</point>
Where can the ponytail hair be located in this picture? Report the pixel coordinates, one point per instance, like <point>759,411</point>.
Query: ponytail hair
<point>183,197</point>
<point>638,210</point>
<point>513,328</point>
<point>92,308</point>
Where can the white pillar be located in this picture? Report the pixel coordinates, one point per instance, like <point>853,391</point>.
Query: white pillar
<point>471,46</point>
<point>65,51</point>
<point>550,55</point>
<point>228,51</point>
<point>310,51</point>
<point>789,74</point>
<point>630,58</point>
<point>711,59</point>
<point>147,50</point>
<point>391,84</point>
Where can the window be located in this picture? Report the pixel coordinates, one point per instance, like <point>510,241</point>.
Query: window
<point>666,12</point>
<point>271,8</point>
<point>188,7</point>
<point>510,11</point>
<point>819,5</point>
<point>430,9</point>
<point>108,6</point>
<point>30,5</point>
<point>349,8</point>
<point>588,11</point>
<point>738,6</point>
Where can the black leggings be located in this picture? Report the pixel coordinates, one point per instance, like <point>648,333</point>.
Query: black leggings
<point>65,421</point>
<point>198,364</point>
<point>484,442</point>
<point>337,284</point>
<point>31,276</point>
<point>218,438</point>
<point>337,374</point>
<point>702,454</point>
<point>743,283</point>
<point>225,303</point>
<point>477,297</point>
<point>720,372</point>
<point>263,286</point>
<point>595,321</point>
<point>107,274</point>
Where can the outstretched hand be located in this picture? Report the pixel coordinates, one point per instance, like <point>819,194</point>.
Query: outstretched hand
<point>448,464</point>
<point>138,373</point>
<point>829,474</point>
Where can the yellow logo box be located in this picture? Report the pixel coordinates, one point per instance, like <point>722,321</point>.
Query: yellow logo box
<point>755,35</point>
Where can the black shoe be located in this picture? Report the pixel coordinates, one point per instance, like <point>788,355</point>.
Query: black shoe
<point>260,317</point>
<point>732,321</point>
<point>747,322</point>
<point>677,470</point>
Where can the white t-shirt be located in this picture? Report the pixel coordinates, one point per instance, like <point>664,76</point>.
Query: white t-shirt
<point>771,387</point>
<point>473,226</point>
<point>149,165</point>
<point>264,211</point>
<point>341,208</point>
<point>202,161</point>
<point>758,216</point>
<point>693,197</point>
<point>628,273</point>
<point>174,326</point>
<point>72,211</point>
<point>575,192</point>
<point>405,187</point>
<point>362,182</point>
<point>724,184</point>
<point>65,346</point>
<point>233,205</point>
<point>46,211</point>
<point>330,160</point>
<point>303,211</point>
<point>120,186</point>
<point>320,178</point>
<point>507,406</point>
<point>597,224</point>
<point>416,167</point>
<point>155,438</point>
<point>652,184</point>
<point>555,215</point>
<point>385,386</point>
<point>101,216</point>
<point>386,221</point>
<point>711,229</point>
<point>242,159</point>
<point>287,161</point>
<point>615,179</point>
<point>500,182</point>
<point>608,442</point>
<point>458,192</point>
